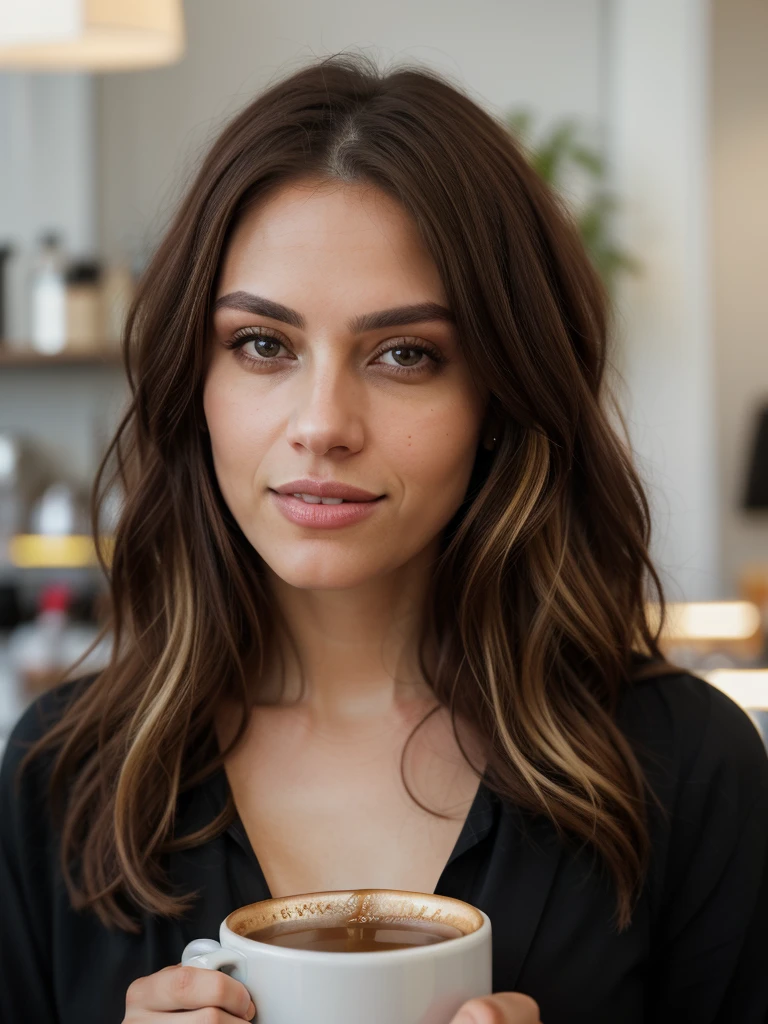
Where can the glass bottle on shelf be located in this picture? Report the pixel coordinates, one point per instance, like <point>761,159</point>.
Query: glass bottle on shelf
<point>48,305</point>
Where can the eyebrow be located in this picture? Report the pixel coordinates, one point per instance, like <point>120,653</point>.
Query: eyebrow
<point>397,316</point>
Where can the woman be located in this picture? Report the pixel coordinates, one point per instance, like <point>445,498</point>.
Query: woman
<point>450,683</point>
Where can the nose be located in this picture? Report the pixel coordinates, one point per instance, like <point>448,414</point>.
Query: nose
<point>327,409</point>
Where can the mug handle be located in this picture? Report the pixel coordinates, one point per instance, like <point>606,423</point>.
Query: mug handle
<point>209,954</point>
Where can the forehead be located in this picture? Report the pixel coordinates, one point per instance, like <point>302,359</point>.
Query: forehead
<point>334,236</point>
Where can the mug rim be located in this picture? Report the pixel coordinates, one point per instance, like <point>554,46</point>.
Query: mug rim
<point>243,943</point>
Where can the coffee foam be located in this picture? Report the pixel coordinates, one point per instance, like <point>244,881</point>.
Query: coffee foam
<point>353,907</point>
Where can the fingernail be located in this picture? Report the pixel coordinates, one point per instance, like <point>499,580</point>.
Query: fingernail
<point>464,1018</point>
<point>250,1012</point>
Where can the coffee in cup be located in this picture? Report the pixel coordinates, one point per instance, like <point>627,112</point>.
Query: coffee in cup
<point>360,938</point>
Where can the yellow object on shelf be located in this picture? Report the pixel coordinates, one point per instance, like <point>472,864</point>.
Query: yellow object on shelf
<point>42,551</point>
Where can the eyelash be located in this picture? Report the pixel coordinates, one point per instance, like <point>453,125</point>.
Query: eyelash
<point>239,339</point>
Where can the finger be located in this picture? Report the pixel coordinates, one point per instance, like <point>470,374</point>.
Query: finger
<point>500,1008</point>
<point>190,988</point>
<point>204,1015</point>
<point>209,1015</point>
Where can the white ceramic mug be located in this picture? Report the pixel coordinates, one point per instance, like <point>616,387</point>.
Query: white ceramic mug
<point>418,985</point>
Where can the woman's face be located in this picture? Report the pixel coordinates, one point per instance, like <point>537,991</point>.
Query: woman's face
<point>311,393</point>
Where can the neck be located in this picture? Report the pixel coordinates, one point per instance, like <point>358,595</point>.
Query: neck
<point>357,648</point>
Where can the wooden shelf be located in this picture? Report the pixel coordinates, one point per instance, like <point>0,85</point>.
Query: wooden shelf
<point>19,357</point>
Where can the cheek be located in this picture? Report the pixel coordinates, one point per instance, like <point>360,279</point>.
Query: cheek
<point>237,430</point>
<point>435,456</point>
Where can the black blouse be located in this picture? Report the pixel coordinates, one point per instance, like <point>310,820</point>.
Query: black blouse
<point>695,953</point>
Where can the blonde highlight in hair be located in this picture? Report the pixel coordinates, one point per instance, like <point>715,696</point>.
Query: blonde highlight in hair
<point>538,598</point>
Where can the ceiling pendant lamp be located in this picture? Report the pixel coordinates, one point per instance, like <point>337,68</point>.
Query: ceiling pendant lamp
<point>90,35</point>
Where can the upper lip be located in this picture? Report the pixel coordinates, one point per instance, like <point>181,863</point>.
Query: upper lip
<point>326,489</point>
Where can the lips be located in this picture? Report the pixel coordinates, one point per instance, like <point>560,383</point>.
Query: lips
<point>327,489</point>
<point>316,515</point>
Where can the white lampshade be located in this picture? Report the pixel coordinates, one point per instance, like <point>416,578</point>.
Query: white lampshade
<point>90,35</point>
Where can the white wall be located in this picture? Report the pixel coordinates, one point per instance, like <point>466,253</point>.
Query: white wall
<point>739,154</point>
<point>658,145</point>
<point>154,126</point>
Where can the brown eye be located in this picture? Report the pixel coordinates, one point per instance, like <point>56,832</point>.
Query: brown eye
<point>266,344</point>
<point>412,354</point>
<point>419,359</point>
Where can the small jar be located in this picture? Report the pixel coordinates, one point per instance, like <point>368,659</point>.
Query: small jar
<point>85,321</point>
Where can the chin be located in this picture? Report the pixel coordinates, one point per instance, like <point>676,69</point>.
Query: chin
<point>321,572</point>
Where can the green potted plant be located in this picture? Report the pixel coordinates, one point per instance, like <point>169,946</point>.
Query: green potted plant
<point>555,155</point>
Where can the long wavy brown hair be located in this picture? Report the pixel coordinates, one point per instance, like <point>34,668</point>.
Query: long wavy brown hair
<point>539,598</point>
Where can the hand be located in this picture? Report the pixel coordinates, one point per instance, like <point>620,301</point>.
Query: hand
<point>210,997</point>
<point>501,1008</point>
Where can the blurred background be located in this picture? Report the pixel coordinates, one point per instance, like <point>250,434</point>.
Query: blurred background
<point>651,118</point>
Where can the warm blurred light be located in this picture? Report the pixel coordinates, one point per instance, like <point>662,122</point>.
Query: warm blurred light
<point>708,620</point>
<point>747,686</point>
<point>90,35</point>
<point>41,551</point>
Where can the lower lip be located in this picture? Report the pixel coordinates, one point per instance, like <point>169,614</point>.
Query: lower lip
<point>324,517</point>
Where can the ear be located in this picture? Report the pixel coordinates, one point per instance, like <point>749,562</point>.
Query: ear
<point>491,431</point>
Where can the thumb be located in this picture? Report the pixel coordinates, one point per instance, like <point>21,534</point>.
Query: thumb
<point>500,1008</point>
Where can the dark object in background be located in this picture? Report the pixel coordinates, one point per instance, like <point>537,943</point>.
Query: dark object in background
<point>83,606</point>
<point>757,485</point>
<point>81,272</point>
<point>5,252</point>
<point>10,606</point>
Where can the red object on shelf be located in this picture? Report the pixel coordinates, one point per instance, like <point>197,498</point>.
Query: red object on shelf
<point>55,597</point>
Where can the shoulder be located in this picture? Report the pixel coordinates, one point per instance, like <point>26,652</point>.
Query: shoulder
<point>42,714</point>
<point>47,709</point>
<point>39,717</point>
<point>693,738</point>
<point>28,835</point>
<point>685,711</point>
